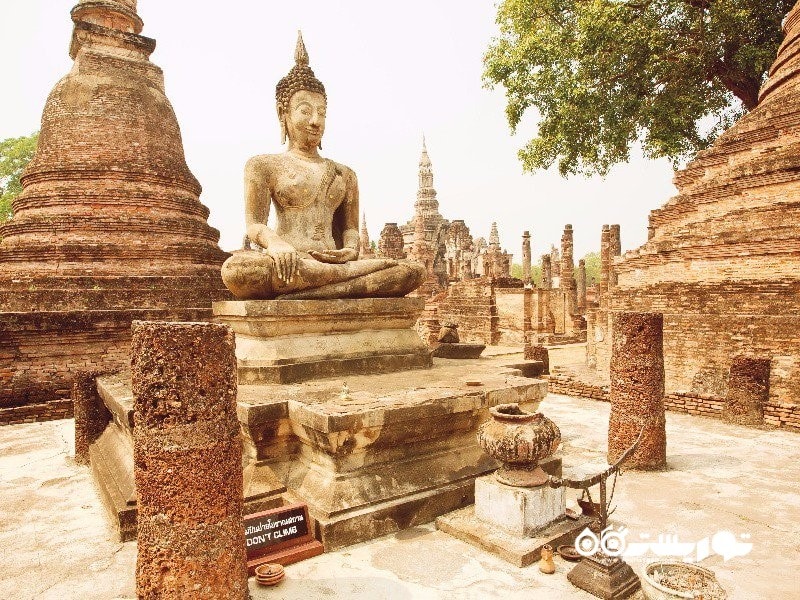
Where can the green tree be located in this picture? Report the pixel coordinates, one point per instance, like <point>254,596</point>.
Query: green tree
<point>606,74</point>
<point>592,264</point>
<point>15,154</point>
<point>536,273</point>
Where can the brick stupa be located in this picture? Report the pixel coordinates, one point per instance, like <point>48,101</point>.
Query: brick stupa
<point>723,260</point>
<point>109,226</point>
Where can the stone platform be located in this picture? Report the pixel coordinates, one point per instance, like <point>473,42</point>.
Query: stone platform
<point>517,550</point>
<point>397,450</point>
<point>286,341</point>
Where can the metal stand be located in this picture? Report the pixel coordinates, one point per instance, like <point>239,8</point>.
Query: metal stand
<point>609,578</point>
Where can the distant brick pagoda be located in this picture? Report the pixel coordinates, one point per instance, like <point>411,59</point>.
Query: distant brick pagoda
<point>109,226</point>
<point>446,248</point>
<point>723,256</point>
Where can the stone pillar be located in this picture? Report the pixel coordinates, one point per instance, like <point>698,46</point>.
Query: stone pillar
<point>555,263</point>
<point>527,313</point>
<point>615,241</point>
<point>580,284</point>
<point>547,273</point>
<point>615,249</point>
<point>187,454</point>
<point>568,283</point>
<point>567,258</point>
<point>605,268</point>
<point>526,257</point>
<point>637,390</point>
<point>591,342</point>
<point>748,391</point>
<point>548,325</point>
<point>540,317</point>
<point>91,415</point>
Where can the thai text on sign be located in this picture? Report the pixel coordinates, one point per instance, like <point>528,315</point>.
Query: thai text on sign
<point>277,526</point>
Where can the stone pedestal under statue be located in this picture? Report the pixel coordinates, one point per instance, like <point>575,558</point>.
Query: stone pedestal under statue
<point>385,452</point>
<point>285,341</point>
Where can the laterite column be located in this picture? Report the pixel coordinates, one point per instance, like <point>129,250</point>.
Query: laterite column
<point>748,391</point>
<point>187,462</point>
<point>637,390</point>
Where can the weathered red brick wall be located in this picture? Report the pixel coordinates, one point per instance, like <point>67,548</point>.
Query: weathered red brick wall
<point>776,414</point>
<point>472,305</point>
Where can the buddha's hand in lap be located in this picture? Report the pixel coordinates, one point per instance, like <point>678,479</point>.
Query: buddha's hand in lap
<point>339,256</point>
<point>286,260</point>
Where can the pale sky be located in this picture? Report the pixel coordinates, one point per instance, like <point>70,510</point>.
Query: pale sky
<point>391,70</point>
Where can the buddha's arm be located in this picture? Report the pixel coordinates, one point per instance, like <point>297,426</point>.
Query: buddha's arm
<point>257,200</point>
<point>350,237</point>
<point>256,203</point>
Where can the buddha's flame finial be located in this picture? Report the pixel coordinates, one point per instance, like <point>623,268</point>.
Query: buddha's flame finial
<point>300,52</point>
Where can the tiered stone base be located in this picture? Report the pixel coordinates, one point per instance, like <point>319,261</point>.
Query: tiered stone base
<point>397,450</point>
<point>111,459</point>
<point>285,341</point>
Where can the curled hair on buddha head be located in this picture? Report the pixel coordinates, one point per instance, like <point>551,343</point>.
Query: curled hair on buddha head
<point>300,77</point>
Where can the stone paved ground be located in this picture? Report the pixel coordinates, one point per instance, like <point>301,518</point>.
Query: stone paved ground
<point>56,543</point>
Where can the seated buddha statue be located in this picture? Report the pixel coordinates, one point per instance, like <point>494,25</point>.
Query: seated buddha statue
<point>313,250</point>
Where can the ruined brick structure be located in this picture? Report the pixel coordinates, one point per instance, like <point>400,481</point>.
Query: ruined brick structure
<point>364,244</point>
<point>108,227</point>
<point>722,259</point>
<point>391,242</point>
<point>446,248</point>
<point>558,311</point>
<point>472,304</point>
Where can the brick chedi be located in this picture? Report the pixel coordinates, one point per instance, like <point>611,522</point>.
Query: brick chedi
<point>723,260</point>
<point>390,244</point>
<point>109,226</point>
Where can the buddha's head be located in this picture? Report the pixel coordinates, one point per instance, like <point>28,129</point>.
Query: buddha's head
<point>301,102</point>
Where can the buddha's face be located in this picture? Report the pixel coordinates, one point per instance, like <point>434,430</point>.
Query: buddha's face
<point>305,121</point>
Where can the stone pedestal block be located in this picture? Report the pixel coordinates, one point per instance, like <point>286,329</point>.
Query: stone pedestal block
<point>286,341</point>
<point>91,416</point>
<point>748,391</point>
<point>520,511</point>
<point>187,455</point>
<point>637,390</point>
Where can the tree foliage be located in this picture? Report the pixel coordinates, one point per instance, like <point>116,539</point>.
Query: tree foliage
<point>15,154</point>
<point>536,272</point>
<point>592,266</point>
<point>606,74</point>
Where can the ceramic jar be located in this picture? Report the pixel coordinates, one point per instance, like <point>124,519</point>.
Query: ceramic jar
<point>519,440</point>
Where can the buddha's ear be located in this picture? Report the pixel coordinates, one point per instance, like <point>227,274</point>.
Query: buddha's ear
<point>282,120</point>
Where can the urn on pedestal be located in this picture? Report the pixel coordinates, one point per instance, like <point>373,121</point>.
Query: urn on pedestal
<point>519,440</point>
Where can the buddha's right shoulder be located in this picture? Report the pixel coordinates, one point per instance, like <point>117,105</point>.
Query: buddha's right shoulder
<point>261,162</point>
